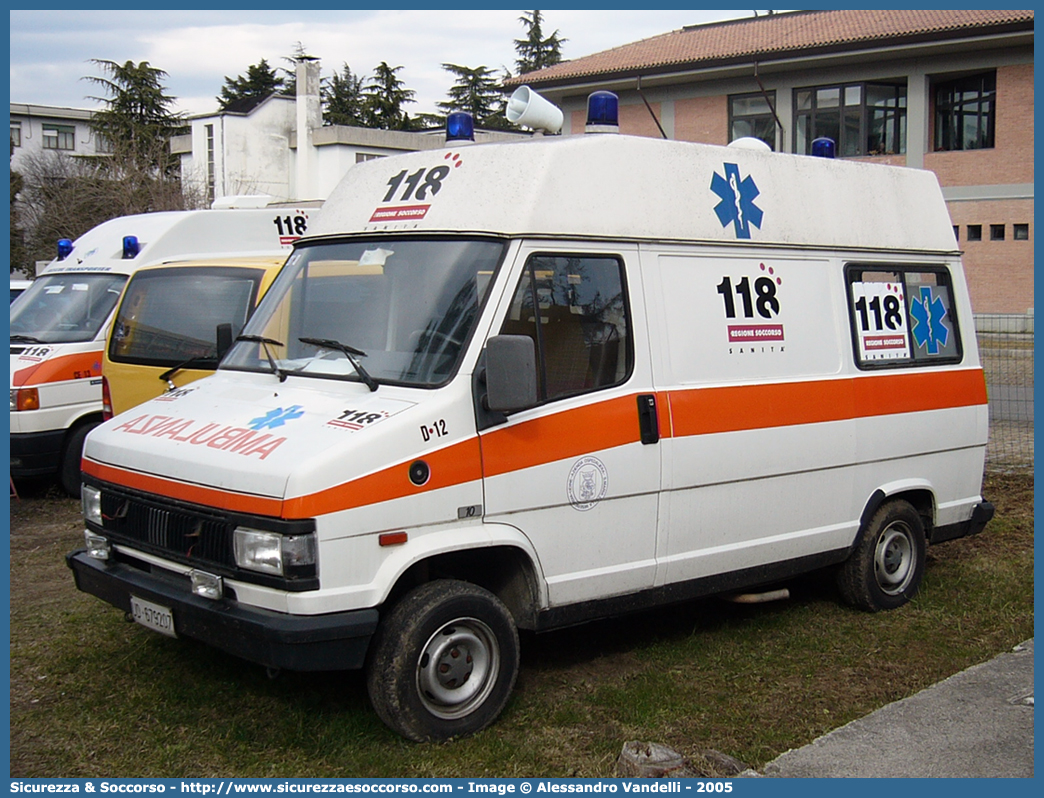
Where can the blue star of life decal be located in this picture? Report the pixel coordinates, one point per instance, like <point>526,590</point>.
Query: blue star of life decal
<point>928,312</point>
<point>276,418</point>
<point>737,201</point>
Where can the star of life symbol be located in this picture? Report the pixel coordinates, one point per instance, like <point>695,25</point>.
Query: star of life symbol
<point>276,418</point>
<point>737,201</point>
<point>928,312</point>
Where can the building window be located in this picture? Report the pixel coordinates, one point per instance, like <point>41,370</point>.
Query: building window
<point>1020,232</point>
<point>16,134</point>
<point>957,232</point>
<point>102,145</point>
<point>964,112</point>
<point>751,115</point>
<point>996,232</point>
<point>975,232</point>
<point>861,118</point>
<point>366,156</point>
<point>59,137</point>
<point>209,129</point>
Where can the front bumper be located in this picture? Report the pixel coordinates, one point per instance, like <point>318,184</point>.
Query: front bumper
<point>337,641</point>
<point>34,454</point>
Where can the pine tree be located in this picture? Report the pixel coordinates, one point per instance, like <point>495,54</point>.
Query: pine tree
<point>384,97</point>
<point>343,100</point>
<point>259,82</point>
<point>477,92</point>
<point>537,51</point>
<point>137,120</point>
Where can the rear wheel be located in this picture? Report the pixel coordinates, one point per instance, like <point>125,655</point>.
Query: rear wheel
<point>69,470</point>
<point>444,661</point>
<point>885,570</point>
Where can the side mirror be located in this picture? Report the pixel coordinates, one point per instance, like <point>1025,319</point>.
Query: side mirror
<point>224,339</point>
<point>510,373</point>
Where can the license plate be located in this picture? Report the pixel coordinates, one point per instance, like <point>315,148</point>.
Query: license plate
<point>153,616</point>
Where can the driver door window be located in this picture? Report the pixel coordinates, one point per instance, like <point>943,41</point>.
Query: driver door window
<point>574,308</point>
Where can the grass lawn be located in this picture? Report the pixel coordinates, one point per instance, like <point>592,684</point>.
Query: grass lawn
<point>93,695</point>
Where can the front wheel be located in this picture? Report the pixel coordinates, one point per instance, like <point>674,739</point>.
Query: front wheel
<point>72,454</point>
<point>885,570</point>
<point>444,661</point>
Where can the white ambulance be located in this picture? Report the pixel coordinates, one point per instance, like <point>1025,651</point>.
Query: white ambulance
<point>525,385</point>
<point>59,325</point>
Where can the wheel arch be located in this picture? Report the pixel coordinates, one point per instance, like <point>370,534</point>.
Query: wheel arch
<point>918,493</point>
<point>81,421</point>
<point>503,569</point>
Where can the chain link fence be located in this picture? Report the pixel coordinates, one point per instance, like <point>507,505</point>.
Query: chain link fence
<point>1006,350</point>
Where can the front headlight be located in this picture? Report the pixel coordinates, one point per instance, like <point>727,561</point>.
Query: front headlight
<point>90,503</point>
<point>272,553</point>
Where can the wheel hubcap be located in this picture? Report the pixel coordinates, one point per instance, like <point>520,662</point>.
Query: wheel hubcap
<point>894,559</point>
<point>457,668</point>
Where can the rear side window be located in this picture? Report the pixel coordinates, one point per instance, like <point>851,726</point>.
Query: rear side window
<point>574,307</point>
<point>902,316</point>
<point>170,316</point>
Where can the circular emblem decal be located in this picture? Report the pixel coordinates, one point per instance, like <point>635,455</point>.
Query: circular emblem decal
<point>588,483</point>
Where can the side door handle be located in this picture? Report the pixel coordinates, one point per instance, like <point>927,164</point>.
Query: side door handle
<point>648,421</point>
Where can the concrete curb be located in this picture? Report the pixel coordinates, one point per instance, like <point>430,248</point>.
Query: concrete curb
<point>975,724</point>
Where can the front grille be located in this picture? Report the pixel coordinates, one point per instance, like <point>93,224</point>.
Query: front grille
<point>183,534</point>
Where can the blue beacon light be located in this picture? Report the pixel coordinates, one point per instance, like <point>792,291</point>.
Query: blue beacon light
<point>65,248</point>
<point>460,127</point>
<point>130,247</point>
<point>823,147</point>
<point>603,113</point>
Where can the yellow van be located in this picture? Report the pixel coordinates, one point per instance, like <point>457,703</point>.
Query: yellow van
<point>175,322</point>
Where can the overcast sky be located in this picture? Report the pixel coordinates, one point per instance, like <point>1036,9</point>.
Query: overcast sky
<point>51,50</point>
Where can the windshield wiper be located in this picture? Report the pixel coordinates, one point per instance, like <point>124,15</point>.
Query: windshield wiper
<point>350,352</point>
<point>25,339</point>
<point>166,375</point>
<point>258,339</point>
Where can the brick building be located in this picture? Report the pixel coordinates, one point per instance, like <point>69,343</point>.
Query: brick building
<point>949,91</point>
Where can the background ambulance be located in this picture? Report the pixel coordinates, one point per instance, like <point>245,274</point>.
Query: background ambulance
<point>18,287</point>
<point>524,385</point>
<point>176,321</point>
<point>59,325</point>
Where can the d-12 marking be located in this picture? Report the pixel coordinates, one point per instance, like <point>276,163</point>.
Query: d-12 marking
<point>436,430</point>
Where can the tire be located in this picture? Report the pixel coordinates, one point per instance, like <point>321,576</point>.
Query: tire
<point>885,570</point>
<point>69,469</point>
<point>443,662</point>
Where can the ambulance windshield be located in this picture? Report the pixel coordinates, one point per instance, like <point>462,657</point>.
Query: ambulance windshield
<point>65,308</point>
<point>403,309</point>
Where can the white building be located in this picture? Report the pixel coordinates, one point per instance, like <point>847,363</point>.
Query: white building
<point>279,147</point>
<point>48,128</point>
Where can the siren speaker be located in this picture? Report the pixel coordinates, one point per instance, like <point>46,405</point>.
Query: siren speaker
<point>527,108</point>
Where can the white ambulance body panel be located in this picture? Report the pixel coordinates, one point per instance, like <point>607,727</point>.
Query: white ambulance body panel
<point>58,328</point>
<point>633,188</point>
<point>747,366</point>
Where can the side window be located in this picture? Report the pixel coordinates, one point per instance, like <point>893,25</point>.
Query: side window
<point>574,307</point>
<point>902,316</point>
